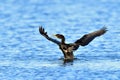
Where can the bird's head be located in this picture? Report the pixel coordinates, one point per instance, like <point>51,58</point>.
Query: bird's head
<point>60,36</point>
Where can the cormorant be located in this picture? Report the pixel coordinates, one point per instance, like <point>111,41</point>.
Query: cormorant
<point>68,49</point>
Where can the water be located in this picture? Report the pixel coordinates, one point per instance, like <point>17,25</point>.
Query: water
<point>26,55</point>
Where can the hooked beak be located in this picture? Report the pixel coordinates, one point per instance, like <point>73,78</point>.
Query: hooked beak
<point>54,35</point>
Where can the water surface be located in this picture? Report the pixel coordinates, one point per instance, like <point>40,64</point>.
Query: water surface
<point>26,55</point>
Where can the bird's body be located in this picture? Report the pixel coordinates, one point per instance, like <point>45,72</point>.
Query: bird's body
<point>68,49</point>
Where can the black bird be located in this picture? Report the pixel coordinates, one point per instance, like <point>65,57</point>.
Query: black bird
<point>68,49</point>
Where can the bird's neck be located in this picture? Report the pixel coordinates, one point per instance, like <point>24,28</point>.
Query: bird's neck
<point>63,40</point>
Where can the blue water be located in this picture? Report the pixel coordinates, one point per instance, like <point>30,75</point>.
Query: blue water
<point>26,55</point>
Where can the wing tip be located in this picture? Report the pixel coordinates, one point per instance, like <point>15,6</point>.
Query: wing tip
<point>41,29</point>
<point>104,28</point>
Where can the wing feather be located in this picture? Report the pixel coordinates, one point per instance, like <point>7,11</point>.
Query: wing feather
<point>43,33</point>
<point>87,38</point>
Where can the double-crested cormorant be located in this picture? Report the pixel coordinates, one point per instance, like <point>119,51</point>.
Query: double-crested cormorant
<point>68,49</point>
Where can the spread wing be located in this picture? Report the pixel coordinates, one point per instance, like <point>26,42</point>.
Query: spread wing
<point>43,33</point>
<point>87,38</point>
